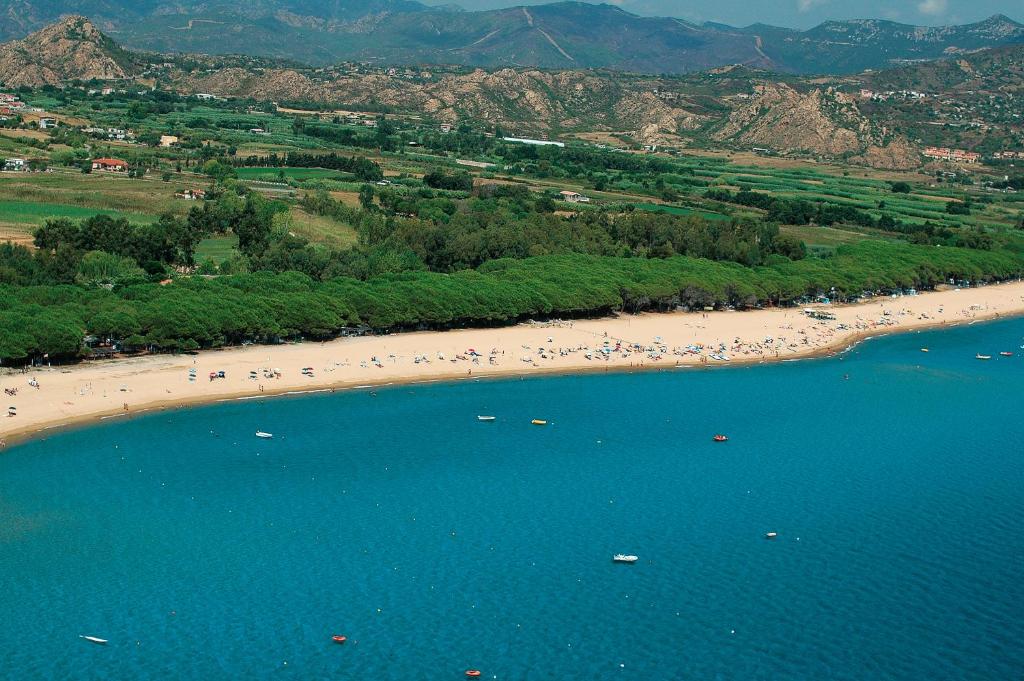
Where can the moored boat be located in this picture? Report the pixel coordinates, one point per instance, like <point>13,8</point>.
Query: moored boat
<point>1006,354</point>
<point>771,535</point>
<point>473,673</point>
<point>94,639</point>
<point>539,422</point>
<point>265,436</point>
<point>485,418</point>
<point>337,638</point>
<point>981,356</point>
<point>720,438</point>
<point>624,558</point>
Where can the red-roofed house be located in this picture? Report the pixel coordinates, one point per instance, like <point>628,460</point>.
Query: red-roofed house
<point>114,165</point>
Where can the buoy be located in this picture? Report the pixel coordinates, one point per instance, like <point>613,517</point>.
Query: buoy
<point>473,673</point>
<point>338,639</point>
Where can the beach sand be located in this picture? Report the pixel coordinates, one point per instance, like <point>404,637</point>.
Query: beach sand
<point>124,387</point>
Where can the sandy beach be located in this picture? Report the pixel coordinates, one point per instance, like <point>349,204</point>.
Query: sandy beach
<point>47,397</point>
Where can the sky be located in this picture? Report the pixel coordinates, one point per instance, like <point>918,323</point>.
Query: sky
<point>799,13</point>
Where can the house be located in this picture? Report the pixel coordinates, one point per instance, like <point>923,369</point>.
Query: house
<point>446,128</point>
<point>574,197</point>
<point>113,165</point>
<point>168,141</point>
<point>204,96</point>
<point>191,194</point>
<point>46,123</point>
<point>15,164</point>
<point>526,140</point>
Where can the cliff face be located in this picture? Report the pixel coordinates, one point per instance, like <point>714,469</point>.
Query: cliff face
<point>821,122</point>
<point>71,49</point>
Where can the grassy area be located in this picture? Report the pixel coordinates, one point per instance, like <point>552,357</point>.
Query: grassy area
<point>677,210</point>
<point>321,229</point>
<point>29,214</point>
<point>96,192</point>
<point>290,173</point>
<point>218,249</point>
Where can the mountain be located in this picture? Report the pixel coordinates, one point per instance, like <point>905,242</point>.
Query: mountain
<point>840,47</point>
<point>71,49</point>
<point>560,35</point>
<point>880,119</point>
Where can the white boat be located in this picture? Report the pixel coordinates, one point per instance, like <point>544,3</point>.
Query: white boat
<point>485,418</point>
<point>94,639</point>
<point>980,356</point>
<point>265,436</point>
<point>624,558</point>
<point>771,535</point>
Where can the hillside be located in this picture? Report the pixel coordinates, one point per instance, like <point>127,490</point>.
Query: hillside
<point>70,49</point>
<point>972,102</point>
<point>560,35</point>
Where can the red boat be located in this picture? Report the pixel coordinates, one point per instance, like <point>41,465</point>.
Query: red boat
<point>1006,354</point>
<point>473,673</point>
<point>338,639</point>
<point>720,438</point>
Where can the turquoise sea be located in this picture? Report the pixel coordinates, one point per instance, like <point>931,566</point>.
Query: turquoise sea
<point>437,543</point>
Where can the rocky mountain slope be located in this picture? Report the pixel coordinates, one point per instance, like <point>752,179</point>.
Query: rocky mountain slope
<point>732,107</point>
<point>565,35</point>
<point>70,49</point>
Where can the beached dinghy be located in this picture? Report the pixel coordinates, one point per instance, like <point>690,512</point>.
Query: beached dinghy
<point>485,418</point>
<point>624,558</point>
<point>94,639</point>
<point>265,436</point>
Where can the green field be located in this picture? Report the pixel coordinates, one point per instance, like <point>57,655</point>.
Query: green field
<point>273,174</point>
<point>34,213</point>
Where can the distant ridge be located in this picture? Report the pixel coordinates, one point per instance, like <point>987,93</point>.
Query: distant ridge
<point>558,35</point>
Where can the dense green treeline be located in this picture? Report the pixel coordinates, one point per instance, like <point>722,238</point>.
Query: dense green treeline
<point>197,312</point>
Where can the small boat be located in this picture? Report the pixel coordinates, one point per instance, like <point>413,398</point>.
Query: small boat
<point>924,349</point>
<point>539,422</point>
<point>265,436</point>
<point>473,673</point>
<point>720,438</point>
<point>1006,354</point>
<point>485,418</point>
<point>980,356</point>
<point>338,639</point>
<point>771,535</point>
<point>94,639</point>
<point>624,558</point>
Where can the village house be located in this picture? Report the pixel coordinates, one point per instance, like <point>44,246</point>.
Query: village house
<point>168,141</point>
<point>574,197</point>
<point>47,123</point>
<point>446,128</point>
<point>191,194</point>
<point>15,165</point>
<point>112,165</point>
<point>954,155</point>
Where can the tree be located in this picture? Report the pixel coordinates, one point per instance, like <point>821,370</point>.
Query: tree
<point>900,187</point>
<point>98,268</point>
<point>366,197</point>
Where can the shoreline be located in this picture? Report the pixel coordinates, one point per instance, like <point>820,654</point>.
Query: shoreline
<point>624,343</point>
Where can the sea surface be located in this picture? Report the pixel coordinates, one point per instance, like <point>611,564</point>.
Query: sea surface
<point>436,543</point>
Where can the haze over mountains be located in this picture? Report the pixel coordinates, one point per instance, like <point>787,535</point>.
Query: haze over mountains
<point>561,35</point>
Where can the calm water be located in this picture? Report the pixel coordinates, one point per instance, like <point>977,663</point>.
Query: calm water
<point>437,543</point>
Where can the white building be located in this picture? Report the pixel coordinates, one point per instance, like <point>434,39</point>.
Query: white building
<point>14,164</point>
<point>574,197</point>
<point>526,140</point>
